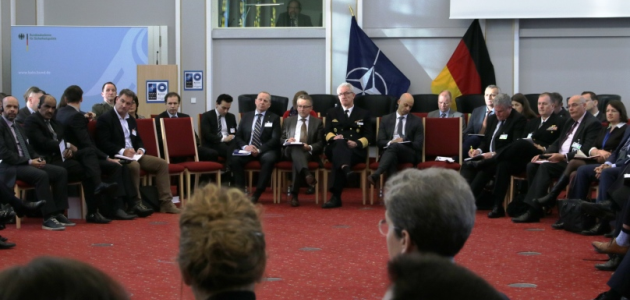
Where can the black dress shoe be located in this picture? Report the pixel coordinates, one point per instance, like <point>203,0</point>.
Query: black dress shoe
<point>602,210</point>
<point>122,215</point>
<point>334,202</point>
<point>372,179</point>
<point>140,210</point>
<point>347,170</point>
<point>6,215</point>
<point>6,245</point>
<point>497,212</point>
<point>310,180</point>
<point>558,225</point>
<point>311,190</point>
<point>599,229</point>
<point>528,217</point>
<point>607,296</point>
<point>109,188</point>
<point>3,239</point>
<point>611,264</point>
<point>294,201</point>
<point>24,206</point>
<point>97,218</point>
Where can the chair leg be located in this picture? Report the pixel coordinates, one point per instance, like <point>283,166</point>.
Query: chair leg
<point>18,220</point>
<point>188,190</point>
<point>83,206</point>
<point>325,190</point>
<point>251,178</point>
<point>317,187</point>
<point>371,190</point>
<point>363,187</point>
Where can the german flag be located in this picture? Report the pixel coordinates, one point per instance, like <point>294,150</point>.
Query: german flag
<point>469,71</point>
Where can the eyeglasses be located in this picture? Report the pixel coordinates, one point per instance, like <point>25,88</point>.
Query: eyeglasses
<point>344,94</point>
<point>304,106</point>
<point>383,227</point>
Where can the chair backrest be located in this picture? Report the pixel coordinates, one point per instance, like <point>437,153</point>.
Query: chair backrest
<point>246,103</point>
<point>603,99</point>
<point>148,134</point>
<point>199,125</point>
<point>425,103</point>
<point>442,137</point>
<point>178,138</point>
<point>533,101</point>
<point>378,105</point>
<point>92,129</point>
<point>420,114</point>
<point>323,102</point>
<point>466,103</point>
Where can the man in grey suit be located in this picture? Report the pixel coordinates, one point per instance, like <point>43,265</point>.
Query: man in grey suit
<point>307,130</point>
<point>31,97</point>
<point>400,139</point>
<point>444,104</point>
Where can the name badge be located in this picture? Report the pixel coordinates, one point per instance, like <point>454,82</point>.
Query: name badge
<point>360,123</point>
<point>529,136</point>
<point>133,132</point>
<point>576,146</point>
<point>268,124</point>
<point>232,130</point>
<point>503,136</point>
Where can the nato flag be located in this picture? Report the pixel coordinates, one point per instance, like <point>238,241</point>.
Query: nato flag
<point>369,70</point>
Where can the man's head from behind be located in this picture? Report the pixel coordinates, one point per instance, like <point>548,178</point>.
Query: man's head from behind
<point>427,276</point>
<point>73,94</point>
<point>47,106</point>
<point>428,211</point>
<point>224,103</point>
<point>32,96</point>
<point>444,101</point>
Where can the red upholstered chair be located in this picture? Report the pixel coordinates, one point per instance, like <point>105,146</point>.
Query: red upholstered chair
<point>420,114</point>
<point>178,137</point>
<point>361,168</point>
<point>148,134</point>
<point>442,137</point>
<point>20,187</point>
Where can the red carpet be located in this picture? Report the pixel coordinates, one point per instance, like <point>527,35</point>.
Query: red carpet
<point>322,254</point>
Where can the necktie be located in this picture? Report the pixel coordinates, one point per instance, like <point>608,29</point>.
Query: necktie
<point>347,113</point>
<point>173,116</point>
<point>483,125</point>
<point>21,142</point>
<point>443,115</point>
<point>219,125</point>
<point>257,130</point>
<point>399,131</point>
<point>566,136</point>
<point>51,130</point>
<point>494,137</point>
<point>292,22</point>
<point>303,132</point>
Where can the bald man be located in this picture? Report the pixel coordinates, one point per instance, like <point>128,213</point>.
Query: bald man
<point>400,138</point>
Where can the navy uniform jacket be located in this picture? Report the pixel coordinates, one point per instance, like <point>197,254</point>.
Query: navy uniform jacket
<point>547,133</point>
<point>357,127</point>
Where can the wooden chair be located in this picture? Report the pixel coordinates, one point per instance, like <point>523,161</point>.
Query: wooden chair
<point>442,137</point>
<point>361,168</point>
<point>178,137</point>
<point>21,187</point>
<point>285,167</point>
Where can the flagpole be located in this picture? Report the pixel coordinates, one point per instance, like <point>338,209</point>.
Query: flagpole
<point>351,11</point>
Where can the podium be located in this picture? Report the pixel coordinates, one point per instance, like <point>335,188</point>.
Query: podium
<point>155,72</point>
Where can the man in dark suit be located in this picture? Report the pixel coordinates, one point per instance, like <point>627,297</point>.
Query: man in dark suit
<point>292,17</point>
<point>512,160</point>
<point>478,121</point>
<point>76,132</point>
<point>45,136</point>
<point>22,163</point>
<point>173,101</point>
<point>558,108</point>
<point>307,130</point>
<point>348,132</point>
<point>591,106</point>
<point>579,132</point>
<point>259,134</point>
<point>215,138</point>
<point>116,134</point>
<point>505,126</point>
<point>7,197</point>
<point>31,98</point>
<point>400,137</point>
